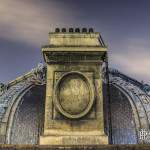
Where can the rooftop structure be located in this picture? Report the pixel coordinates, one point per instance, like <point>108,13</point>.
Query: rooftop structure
<point>126,101</point>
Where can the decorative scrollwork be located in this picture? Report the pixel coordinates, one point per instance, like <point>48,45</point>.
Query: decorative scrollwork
<point>3,88</point>
<point>146,88</point>
<point>39,75</point>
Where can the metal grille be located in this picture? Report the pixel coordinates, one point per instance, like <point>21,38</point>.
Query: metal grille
<point>28,119</point>
<point>123,125</point>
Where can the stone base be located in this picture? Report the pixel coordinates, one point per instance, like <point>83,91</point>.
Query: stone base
<point>74,140</point>
<point>91,147</point>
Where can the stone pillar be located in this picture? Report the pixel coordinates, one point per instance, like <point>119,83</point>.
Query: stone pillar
<point>74,98</point>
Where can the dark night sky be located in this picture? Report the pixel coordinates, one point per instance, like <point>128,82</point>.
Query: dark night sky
<point>123,24</point>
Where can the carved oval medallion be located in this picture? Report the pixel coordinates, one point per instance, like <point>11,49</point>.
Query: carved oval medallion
<point>73,95</point>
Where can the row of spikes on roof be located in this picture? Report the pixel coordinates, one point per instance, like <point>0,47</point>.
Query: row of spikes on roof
<point>77,30</point>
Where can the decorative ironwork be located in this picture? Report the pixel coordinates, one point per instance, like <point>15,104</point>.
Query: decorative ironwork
<point>38,75</point>
<point>3,88</point>
<point>138,92</point>
<point>8,92</point>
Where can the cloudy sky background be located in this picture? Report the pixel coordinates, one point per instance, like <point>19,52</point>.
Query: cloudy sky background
<point>123,24</point>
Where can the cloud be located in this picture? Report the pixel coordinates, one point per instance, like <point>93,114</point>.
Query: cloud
<point>29,20</point>
<point>134,59</point>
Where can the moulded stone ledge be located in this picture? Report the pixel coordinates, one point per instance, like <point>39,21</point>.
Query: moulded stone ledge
<point>92,147</point>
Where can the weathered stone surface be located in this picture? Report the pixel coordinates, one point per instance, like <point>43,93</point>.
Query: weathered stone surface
<point>100,147</point>
<point>73,95</point>
<point>74,103</point>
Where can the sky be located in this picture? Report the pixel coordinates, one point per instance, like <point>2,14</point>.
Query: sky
<point>124,26</point>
